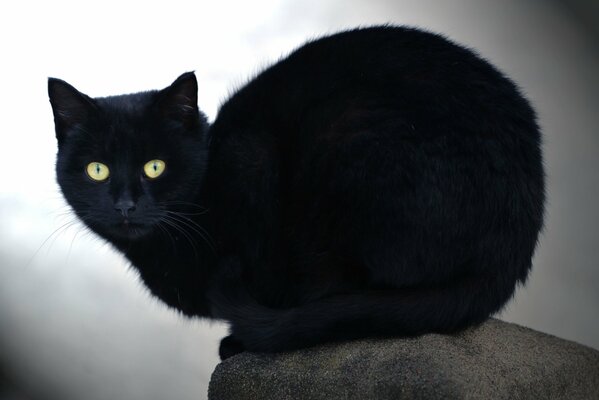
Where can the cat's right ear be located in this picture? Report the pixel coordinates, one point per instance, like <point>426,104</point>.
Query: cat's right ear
<point>70,107</point>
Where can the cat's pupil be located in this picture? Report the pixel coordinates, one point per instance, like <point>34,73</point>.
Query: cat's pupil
<point>155,166</point>
<point>97,168</point>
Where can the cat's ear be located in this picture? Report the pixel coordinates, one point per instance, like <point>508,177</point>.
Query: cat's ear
<point>179,101</point>
<point>70,107</point>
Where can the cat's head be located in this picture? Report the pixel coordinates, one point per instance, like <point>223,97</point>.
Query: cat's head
<point>125,162</point>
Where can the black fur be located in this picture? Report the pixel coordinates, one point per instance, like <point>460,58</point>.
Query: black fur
<point>380,181</point>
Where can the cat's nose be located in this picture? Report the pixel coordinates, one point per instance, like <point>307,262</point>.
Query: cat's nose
<point>125,207</point>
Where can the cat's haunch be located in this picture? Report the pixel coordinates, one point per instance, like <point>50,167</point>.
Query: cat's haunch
<point>380,181</point>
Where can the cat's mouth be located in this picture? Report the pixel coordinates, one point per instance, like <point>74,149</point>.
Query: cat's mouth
<point>131,230</point>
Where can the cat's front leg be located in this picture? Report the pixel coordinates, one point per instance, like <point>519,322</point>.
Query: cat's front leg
<point>230,346</point>
<point>228,278</point>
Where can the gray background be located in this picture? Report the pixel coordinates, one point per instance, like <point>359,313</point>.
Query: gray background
<point>75,322</point>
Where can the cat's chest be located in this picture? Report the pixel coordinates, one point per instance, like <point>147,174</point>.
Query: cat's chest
<point>175,271</point>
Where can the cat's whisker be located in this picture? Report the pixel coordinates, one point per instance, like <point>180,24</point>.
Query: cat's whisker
<point>191,224</point>
<point>192,214</point>
<point>64,214</point>
<point>203,209</point>
<point>53,237</point>
<point>162,229</point>
<point>186,219</point>
<point>56,233</point>
<point>189,237</point>
<point>73,241</point>
<point>181,202</point>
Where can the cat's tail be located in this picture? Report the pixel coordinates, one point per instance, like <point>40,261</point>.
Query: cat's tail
<point>389,312</point>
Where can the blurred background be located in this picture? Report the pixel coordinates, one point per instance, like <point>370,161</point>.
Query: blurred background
<point>76,323</point>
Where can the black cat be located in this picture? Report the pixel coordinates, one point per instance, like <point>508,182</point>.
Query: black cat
<point>379,181</point>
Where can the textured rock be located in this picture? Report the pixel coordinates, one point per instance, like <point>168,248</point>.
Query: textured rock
<point>496,360</point>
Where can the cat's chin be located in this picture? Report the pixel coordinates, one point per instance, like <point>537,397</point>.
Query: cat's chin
<point>130,231</point>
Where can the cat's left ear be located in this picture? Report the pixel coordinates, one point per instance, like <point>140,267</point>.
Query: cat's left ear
<point>179,101</point>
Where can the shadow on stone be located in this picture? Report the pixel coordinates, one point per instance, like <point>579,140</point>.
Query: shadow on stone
<point>496,360</point>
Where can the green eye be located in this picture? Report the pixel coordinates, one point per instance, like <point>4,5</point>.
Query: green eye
<point>97,171</point>
<point>154,168</point>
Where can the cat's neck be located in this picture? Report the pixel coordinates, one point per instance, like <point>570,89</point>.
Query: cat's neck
<point>176,263</point>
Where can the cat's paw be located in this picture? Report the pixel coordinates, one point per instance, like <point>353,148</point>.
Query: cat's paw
<point>229,346</point>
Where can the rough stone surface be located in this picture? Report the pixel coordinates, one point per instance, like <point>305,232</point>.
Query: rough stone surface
<point>496,360</point>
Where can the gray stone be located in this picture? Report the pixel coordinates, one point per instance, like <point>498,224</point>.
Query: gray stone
<point>496,360</point>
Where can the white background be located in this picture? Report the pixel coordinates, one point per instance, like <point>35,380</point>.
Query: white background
<point>76,323</point>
